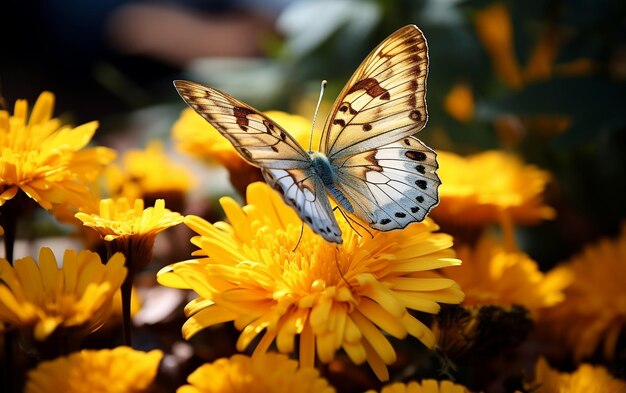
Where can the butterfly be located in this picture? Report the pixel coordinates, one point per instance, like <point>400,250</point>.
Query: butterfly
<point>369,161</point>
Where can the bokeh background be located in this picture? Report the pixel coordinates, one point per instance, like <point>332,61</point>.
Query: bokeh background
<point>545,80</point>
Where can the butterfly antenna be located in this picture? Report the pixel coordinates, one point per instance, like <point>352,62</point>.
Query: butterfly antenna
<point>299,238</point>
<point>317,108</point>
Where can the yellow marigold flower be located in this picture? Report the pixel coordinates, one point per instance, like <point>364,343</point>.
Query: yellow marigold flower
<point>426,386</point>
<point>491,275</point>
<point>148,172</point>
<point>481,188</point>
<point>46,296</point>
<point>117,370</point>
<point>459,103</point>
<point>331,296</point>
<point>195,136</point>
<point>594,312</point>
<point>586,379</point>
<point>48,161</point>
<point>265,373</point>
<point>494,29</point>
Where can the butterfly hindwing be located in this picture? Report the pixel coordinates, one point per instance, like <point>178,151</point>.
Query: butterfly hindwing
<point>304,191</point>
<point>393,185</point>
<point>384,101</point>
<point>258,139</point>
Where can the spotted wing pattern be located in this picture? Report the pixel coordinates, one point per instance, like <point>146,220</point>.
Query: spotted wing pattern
<point>384,101</point>
<point>259,140</point>
<point>391,186</point>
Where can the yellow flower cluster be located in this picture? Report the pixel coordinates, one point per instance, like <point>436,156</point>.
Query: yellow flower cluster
<point>46,296</point>
<point>48,161</point>
<point>586,379</point>
<point>258,272</point>
<point>426,386</point>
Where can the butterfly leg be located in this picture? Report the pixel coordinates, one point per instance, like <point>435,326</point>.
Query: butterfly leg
<point>350,219</point>
<point>300,237</point>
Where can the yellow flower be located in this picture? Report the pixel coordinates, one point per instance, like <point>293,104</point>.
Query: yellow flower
<point>148,172</point>
<point>46,296</point>
<point>482,188</point>
<point>491,275</point>
<point>459,103</point>
<point>266,373</point>
<point>586,379</point>
<point>195,136</point>
<point>494,29</point>
<point>47,161</point>
<point>117,370</point>
<point>594,311</point>
<point>426,386</point>
<point>332,296</point>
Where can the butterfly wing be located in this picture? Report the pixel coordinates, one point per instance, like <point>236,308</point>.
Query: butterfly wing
<point>304,191</point>
<point>393,185</point>
<point>384,101</point>
<point>259,140</point>
<point>263,143</point>
<point>386,174</point>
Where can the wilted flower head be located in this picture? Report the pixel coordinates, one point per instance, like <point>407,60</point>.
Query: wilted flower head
<point>48,161</point>
<point>265,373</point>
<point>333,297</point>
<point>117,370</point>
<point>46,296</point>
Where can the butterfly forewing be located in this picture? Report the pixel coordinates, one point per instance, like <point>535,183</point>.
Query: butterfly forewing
<point>384,101</point>
<point>259,140</point>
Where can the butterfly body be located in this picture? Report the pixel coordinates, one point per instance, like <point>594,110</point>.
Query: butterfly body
<point>369,161</point>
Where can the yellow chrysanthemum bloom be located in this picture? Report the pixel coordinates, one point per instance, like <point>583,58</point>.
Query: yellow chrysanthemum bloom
<point>491,275</point>
<point>46,296</point>
<point>426,386</point>
<point>265,373</point>
<point>148,172</point>
<point>481,188</point>
<point>117,370</point>
<point>195,136</point>
<point>594,311</point>
<point>332,296</point>
<point>586,379</point>
<point>48,161</point>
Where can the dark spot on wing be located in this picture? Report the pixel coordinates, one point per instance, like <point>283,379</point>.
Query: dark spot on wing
<point>415,115</point>
<point>420,199</point>
<point>268,126</point>
<point>407,142</point>
<point>415,209</point>
<point>283,136</point>
<point>308,219</point>
<point>246,153</point>
<point>339,122</point>
<point>415,155</point>
<point>241,116</point>
<point>367,127</point>
<point>400,215</point>
<point>420,169</point>
<point>371,87</point>
<point>385,221</point>
<point>274,148</point>
<point>385,96</point>
<point>421,184</point>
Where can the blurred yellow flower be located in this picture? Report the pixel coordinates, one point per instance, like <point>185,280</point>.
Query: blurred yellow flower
<point>586,379</point>
<point>594,311</point>
<point>491,275</point>
<point>46,296</point>
<point>265,373</point>
<point>494,28</point>
<point>148,173</point>
<point>195,136</point>
<point>118,370</point>
<point>48,161</point>
<point>332,296</point>
<point>479,189</point>
<point>426,386</point>
<point>459,102</point>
